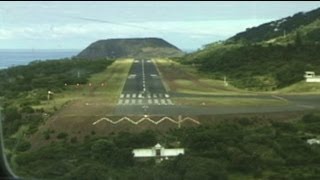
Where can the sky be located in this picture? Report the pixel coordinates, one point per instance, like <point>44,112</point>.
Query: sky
<point>187,25</point>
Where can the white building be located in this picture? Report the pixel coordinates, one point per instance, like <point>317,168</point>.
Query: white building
<point>157,151</point>
<point>313,141</point>
<point>311,77</point>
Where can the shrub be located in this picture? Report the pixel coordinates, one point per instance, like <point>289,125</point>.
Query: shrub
<point>23,146</point>
<point>310,118</point>
<point>74,140</point>
<point>62,135</point>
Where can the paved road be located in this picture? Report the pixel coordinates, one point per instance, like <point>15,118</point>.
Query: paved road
<point>144,93</point>
<point>143,90</point>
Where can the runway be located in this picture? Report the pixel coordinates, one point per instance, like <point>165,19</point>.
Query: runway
<point>143,90</point>
<point>144,94</point>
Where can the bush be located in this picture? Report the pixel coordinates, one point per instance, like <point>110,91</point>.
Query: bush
<point>47,136</point>
<point>310,118</point>
<point>27,109</point>
<point>62,135</point>
<point>74,140</point>
<point>23,146</point>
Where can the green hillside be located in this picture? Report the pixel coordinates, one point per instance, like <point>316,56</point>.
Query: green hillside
<point>260,60</point>
<point>276,28</point>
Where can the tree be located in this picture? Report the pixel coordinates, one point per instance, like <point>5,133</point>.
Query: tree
<point>298,39</point>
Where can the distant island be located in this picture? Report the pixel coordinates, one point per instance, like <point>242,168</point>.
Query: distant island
<point>130,48</point>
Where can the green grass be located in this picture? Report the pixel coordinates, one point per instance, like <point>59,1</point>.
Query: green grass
<point>20,132</point>
<point>191,81</point>
<point>56,103</point>
<point>105,85</point>
<point>194,82</point>
<point>225,101</point>
<point>302,88</point>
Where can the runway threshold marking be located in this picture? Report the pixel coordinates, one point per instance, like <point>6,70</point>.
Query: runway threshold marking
<point>144,98</point>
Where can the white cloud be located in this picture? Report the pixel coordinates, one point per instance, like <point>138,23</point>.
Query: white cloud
<point>79,33</point>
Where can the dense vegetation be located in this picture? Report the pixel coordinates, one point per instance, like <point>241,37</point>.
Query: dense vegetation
<point>276,28</point>
<point>264,58</point>
<point>49,75</point>
<point>24,86</point>
<point>258,67</point>
<point>245,148</point>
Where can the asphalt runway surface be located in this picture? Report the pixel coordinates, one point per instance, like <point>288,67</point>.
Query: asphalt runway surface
<point>143,91</point>
<point>145,94</point>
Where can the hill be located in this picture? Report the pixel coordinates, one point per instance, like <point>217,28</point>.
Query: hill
<point>262,58</point>
<point>130,48</point>
<point>277,28</point>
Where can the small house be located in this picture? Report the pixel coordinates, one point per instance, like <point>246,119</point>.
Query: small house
<point>313,141</point>
<point>311,76</point>
<point>158,152</point>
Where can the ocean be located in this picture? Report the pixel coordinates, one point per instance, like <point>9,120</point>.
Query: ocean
<point>15,57</point>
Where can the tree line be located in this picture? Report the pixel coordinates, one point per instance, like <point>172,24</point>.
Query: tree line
<point>258,66</point>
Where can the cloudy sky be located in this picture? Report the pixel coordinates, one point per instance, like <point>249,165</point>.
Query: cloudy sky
<point>188,25</point>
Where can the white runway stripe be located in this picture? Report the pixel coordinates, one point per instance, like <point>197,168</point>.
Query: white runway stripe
<point>149,98</point>
<point>127,101</point>
<point>120,101</point>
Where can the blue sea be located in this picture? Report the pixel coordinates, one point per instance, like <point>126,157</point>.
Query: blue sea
<point>14,57</point>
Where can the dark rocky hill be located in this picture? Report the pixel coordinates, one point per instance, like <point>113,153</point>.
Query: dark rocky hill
<point>131,48</point>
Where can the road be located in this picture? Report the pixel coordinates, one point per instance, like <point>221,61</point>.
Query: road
<point>143,91</point>
<point>145,94</point>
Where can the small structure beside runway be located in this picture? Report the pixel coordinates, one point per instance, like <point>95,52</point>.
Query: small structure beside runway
<point>311,77</point>
<point>158,152</point>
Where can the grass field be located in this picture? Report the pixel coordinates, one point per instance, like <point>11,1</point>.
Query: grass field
<point>78,106</point>
<point>105,86</point>
<point>301,88</point>
<point>185,79</point>
<point>225,101</point>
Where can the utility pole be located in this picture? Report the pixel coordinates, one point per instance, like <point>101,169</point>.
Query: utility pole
<point>225,81</point>
<point>49,94</point>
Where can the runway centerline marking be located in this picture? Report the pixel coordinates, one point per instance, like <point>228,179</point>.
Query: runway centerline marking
<point>143,96</point>
<point>143,77</point>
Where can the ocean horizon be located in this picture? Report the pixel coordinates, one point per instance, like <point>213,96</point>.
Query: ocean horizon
<point>16,57</point>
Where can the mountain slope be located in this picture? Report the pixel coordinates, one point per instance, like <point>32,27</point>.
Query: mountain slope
<point>276,28</point>
<point>133,47</point>
<point>261,59</point>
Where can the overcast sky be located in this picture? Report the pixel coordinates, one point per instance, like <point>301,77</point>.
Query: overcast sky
<point>188,25</point>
